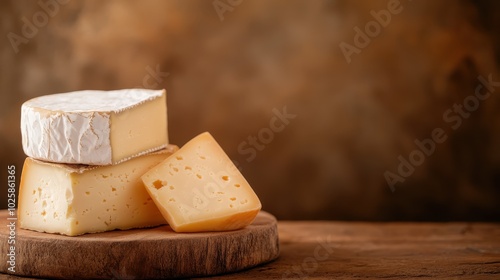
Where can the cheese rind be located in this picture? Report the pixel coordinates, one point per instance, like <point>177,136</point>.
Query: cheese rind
<point>94,127</point>
<point>199,188</point>
<point>77,199</point>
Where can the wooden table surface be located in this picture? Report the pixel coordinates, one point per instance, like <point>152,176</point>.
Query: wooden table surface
<point>358,250</point>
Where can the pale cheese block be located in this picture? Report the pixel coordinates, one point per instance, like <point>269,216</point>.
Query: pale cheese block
<point>199,188</point>
<point>94,127</point>
<point>77,199</point>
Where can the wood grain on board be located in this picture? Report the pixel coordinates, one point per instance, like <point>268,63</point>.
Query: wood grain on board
<point>141,253</point>
<point>361,250</point>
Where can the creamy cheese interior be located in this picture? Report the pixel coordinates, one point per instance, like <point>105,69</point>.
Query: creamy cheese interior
<point>139,130</point>
<point>78,199</point>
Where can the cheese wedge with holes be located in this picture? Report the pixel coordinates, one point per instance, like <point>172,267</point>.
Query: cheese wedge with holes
<point>199,188</point>
<point>78,199</point>
<point>94,127</point>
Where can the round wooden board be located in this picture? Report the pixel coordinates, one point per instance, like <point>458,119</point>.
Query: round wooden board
<point>149,253</point>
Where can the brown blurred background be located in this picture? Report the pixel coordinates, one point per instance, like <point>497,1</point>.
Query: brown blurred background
<point>231,63</point>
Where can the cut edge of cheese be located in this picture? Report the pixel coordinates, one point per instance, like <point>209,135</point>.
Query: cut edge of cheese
<point>139,125</point>
<point>199,188</point>
<point>78,199</point>
<point>228,222</point>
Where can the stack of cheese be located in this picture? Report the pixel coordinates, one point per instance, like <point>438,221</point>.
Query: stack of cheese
<point>100,160</point>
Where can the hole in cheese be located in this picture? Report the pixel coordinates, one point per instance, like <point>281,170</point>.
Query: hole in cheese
<point>158,184</point>
<point>225,178</point>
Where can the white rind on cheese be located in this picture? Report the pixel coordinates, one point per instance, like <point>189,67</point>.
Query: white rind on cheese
<point>78,199</point>
<point>199,188</point>
<point>94,127</point>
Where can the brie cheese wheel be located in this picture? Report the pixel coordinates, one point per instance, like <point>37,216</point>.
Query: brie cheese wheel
<point>94,127</point>
<point>199,188</point>
<point>76,199</point>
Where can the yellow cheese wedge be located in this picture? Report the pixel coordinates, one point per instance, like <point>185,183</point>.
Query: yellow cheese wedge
<point>198,188</point>
<point>78,199</point>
